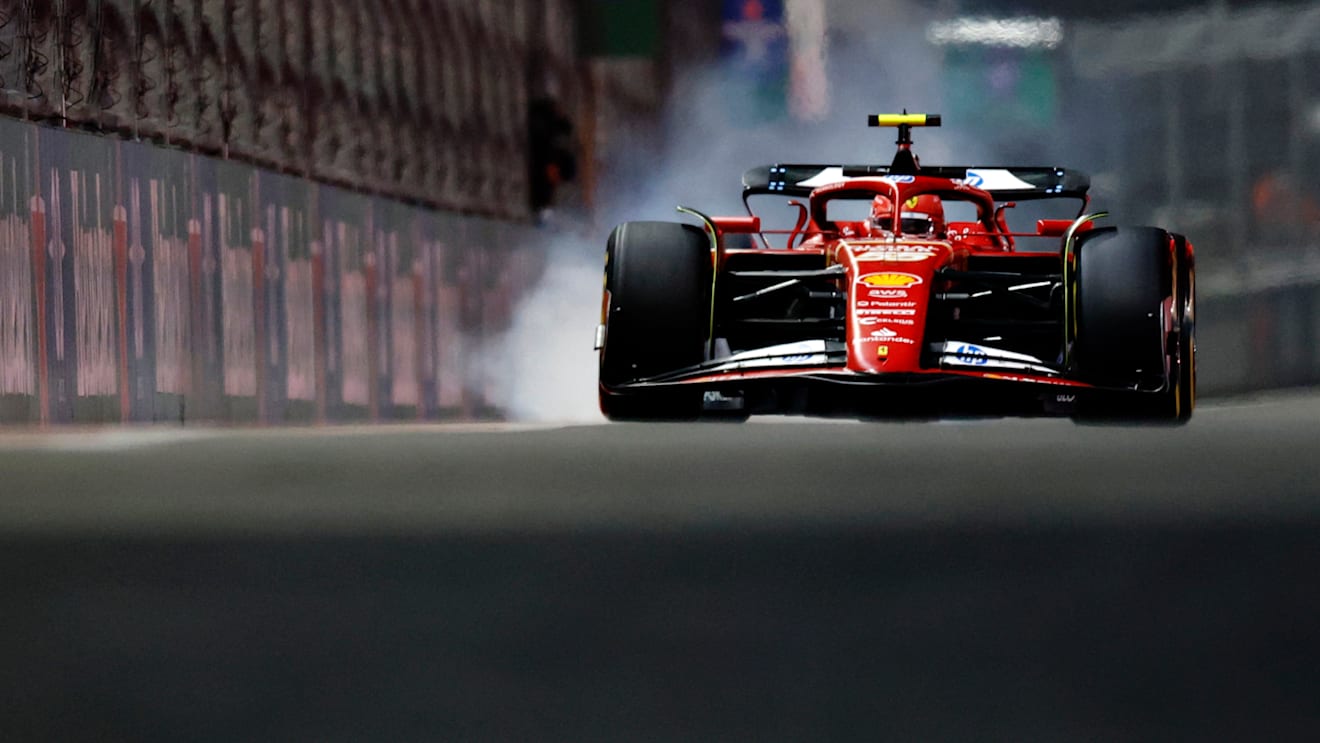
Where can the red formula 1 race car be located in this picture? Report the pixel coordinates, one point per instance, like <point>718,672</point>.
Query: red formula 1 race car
<point>899,291</point>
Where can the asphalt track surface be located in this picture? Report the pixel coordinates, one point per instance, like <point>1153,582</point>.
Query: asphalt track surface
<point>1005,580</point>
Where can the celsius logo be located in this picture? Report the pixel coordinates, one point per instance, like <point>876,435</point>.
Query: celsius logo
<point>973,355</point>
<point>890,279</point>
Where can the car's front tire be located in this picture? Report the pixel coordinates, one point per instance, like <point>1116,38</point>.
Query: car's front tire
<point>1135,324</point>
<point>656,315</point>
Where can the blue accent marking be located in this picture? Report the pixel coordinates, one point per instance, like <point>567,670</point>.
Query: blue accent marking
<point>970,354</point>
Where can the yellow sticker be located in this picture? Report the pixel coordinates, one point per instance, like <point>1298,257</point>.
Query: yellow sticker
<point>882,351</point>
<point>892,279</point>
<point>910,203</point>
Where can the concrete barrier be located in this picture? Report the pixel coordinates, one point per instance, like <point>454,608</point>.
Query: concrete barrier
<point>1259,339</point>
<point>139,283</point>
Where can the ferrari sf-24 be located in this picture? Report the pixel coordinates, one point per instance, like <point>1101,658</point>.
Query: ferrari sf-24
<point>899,291</point>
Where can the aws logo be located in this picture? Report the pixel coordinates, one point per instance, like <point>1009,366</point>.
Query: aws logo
<point>890,279</point>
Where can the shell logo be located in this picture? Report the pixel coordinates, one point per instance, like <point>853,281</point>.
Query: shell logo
<point>890,279</point>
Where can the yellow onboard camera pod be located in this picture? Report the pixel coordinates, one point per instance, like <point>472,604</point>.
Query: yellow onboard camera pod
<point>905,163</point>
<point>903,119</point>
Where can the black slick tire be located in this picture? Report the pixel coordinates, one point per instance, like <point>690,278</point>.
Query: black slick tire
<point>656,316</point>
<point>1126,279</point>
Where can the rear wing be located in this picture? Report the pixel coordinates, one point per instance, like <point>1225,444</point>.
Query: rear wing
<point>1005,183</point>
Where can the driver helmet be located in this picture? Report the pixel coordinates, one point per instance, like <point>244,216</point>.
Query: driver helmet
<point>882,214</point>
<point>923,215</point>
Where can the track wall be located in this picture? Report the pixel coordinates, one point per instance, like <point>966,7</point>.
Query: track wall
<point>1257,340</point>
<point>142,283</point>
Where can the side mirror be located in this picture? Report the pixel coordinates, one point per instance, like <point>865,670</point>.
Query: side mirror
<point>737,225</point>
<point>1059,227</point>
<point>1052,227</point>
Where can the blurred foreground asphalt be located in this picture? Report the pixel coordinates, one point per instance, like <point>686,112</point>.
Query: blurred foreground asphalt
<point>1015,580</point>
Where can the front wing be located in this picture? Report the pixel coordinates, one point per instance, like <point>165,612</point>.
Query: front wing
<point>818,383</point>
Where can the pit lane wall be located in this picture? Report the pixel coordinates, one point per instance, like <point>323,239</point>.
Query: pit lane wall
<point>139,283</point>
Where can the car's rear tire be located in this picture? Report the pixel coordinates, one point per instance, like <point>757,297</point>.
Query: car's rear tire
<point>1127,280</point>
<point>656,315</point>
